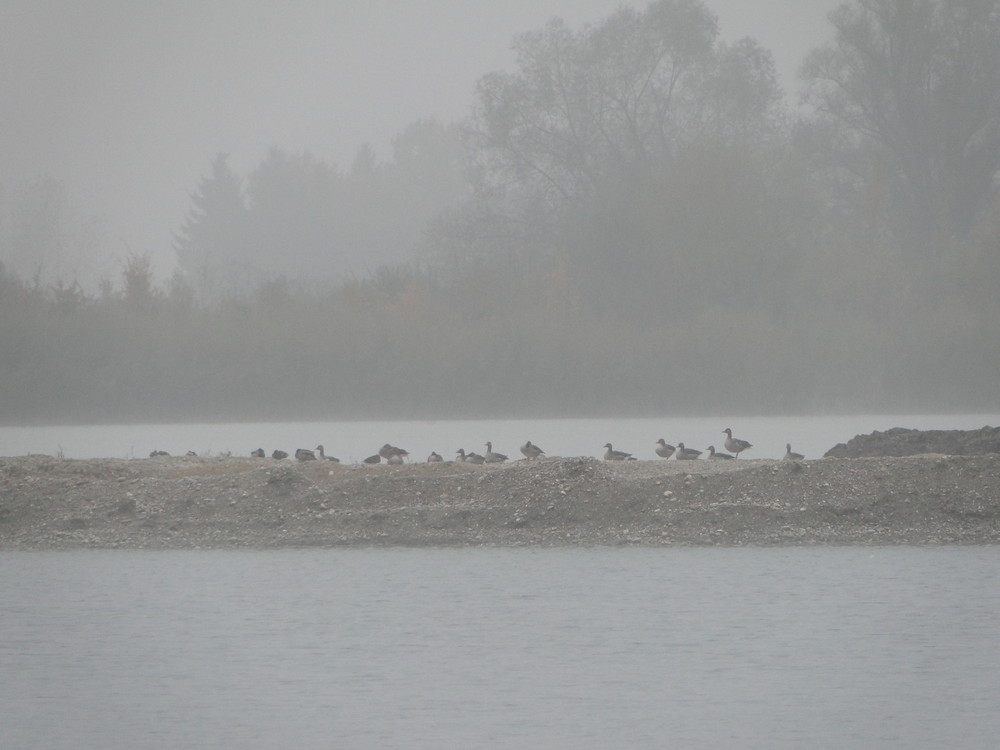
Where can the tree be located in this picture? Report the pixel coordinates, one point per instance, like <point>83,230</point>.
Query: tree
<point>211,245</point>
<point>46,241</point>
<point>611,104</point>
<point>909,91</point>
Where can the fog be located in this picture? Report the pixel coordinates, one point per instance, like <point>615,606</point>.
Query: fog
<point>127,103</point>
<point>438,209</point>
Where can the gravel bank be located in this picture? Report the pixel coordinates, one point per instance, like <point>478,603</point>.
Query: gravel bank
<point>183,503</point>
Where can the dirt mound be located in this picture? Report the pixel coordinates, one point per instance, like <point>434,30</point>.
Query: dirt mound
<point>900,441</point>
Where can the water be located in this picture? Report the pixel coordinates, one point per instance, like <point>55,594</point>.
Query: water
<point>352,441</point>
<point>694,648</point>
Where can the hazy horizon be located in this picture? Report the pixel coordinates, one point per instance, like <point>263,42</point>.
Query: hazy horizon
<point>126,104</point>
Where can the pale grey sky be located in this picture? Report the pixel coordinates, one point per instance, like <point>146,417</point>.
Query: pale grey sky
<point>127,101</point>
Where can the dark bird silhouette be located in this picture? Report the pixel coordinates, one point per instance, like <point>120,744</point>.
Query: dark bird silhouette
<point>531,451</point>
<point>491,457</point>
<point>790,456</point>
<point>279,455</point>
<point>663,449</point>
<point>612,455</point>
<point>687,454</point>
<point>388,451</point>
<point>713,454</point>
<point>324,457</point>
<point>735,445</point>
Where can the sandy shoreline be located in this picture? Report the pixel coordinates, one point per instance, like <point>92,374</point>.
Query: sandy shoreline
<point>185,503</point>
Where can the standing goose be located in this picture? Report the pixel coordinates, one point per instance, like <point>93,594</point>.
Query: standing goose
<point>686,454</point>
<point>531,451</point>
<point>612,455</point>
<point>388,451</point>
<point>790,456</point>
<point>663,449</point>
<point>324,457</point>
<point>304,454</point>
<point>435,458</point>
<point>713,454</point>
<point>491,457</point>
<point>735,445</point>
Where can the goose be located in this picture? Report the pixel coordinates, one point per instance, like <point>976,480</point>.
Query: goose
<point>435,458</point>
<point>191,453</point>
<point>304,454</point>
<point>713,454</point>
<point>663,450</point>
<point>279,455</point>
<point>373,459</point>
<point>324,457</point>
<point>259,453</point>
<point>612,455</point>
<point>687,454</point>
<point>469,458</point>
<point>790,456</point>
<point>735,444</point>
<point>395,460</point>
<point>491,457</point>
<point>388,451</point>
<point>531,451</point>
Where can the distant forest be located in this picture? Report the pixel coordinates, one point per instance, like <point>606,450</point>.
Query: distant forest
<point>635,220</point>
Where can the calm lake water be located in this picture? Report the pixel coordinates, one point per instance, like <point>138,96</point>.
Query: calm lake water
<point>593,648</point>
<point>352,441</point>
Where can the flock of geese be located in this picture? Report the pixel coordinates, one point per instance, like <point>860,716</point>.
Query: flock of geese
<point>390,454</point>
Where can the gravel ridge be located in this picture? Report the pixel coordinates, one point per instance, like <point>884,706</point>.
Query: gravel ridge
<point>194,502</point>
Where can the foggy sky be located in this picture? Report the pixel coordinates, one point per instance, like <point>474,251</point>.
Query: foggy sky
<point>127,102</point>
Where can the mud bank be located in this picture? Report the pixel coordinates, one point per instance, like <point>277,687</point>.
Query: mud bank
<point>183,503</point>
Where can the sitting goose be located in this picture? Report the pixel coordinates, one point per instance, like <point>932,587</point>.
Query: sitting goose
<point>713,454</point>
<point>324,457</point>
<point>735,444</point>
<point>259,453</point>
<point>158,454</point>
<point>469,458</point>
<point>790,456</point>
<point>388,451</point>
<point>491,457</point>
<point>279,455</point>
<point>612,455</point>
<point>304,454</point>
<point>435,458</point>
<point>686,454</point>
<point>531,451</point>
<point>664,450</point>
<point>373,459</point>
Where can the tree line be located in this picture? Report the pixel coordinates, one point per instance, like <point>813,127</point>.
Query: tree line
<point>633,220</point>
